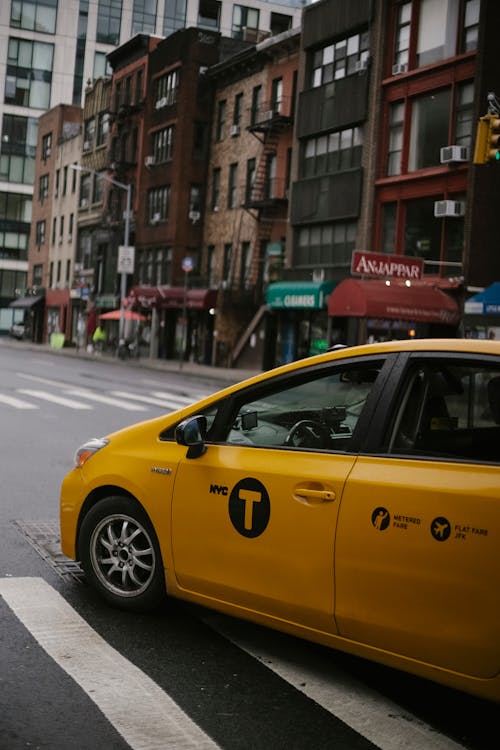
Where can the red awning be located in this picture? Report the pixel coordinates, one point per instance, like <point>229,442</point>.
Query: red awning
<point>172,297</point>
<point>375,299</point>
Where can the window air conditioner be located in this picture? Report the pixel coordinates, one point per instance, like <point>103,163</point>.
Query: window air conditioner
<point>448,208</point>
<point>399,68</point>
<point>454,154</point>
<point>84,203</point>
<point>194,216</point>
<point>155,218</point>
<point>361,65</point>
<point>161,102</point>
<point>86,145</point>
<point>235,130</point>
<point>318,274</point>
<point>149,161</point>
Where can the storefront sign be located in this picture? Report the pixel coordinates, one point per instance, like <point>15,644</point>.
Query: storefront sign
<point>298,295</point>
<point>386,266</point>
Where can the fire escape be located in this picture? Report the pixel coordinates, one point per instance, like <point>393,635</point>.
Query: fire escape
<point>266,194</point>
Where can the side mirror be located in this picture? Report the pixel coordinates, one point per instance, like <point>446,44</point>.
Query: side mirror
<point>192,432</point>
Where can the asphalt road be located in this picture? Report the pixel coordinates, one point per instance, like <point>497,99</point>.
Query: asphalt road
<point>75,673</point>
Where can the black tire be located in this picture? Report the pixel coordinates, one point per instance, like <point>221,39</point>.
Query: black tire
<point>120,554</point>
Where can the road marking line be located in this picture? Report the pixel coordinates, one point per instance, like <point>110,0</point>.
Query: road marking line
<point>148,400</point>
<point>105,399</point>
<point>378,719</point>
<point>187,400</point>
<point>69,403</point>
<point>16,402</point>
<point>145,716</point>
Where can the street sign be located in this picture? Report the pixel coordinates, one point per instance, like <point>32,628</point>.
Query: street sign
<point>126,259</point>
<point>187,264</point>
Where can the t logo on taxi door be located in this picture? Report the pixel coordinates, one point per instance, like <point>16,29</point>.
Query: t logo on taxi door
<point>249,507</point>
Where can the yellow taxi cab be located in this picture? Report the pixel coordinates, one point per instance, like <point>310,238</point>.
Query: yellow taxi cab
<point>352,499</point>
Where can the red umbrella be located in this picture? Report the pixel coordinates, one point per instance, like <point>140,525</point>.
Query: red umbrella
<point>127,315</point>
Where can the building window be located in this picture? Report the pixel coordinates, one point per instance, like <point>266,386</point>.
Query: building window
<point>56,183</point>
<point>154,266</point>
<point>215,189</point>
<point>395,150</point>
<point>327,245</point>
<point>279,23</point>
<point>88,134</point>
<point>73,180</point>
<point>102,68</point>
<point>389,212</point>
<point>209,14</point>
<point>158,204</point>
<point>194,203</point>
<point>54,230</point>
<point>70,226</point>
<point>46,146</point>
<point>470,25</point>
<point>174,16</point>
<point>464,123</point>
<point>437,241</point>
<point>65,180</point>
<point>68,272</point>
<point>276,95</point>
<point>226,261</point>
<point>245,23</point>
<point>250,179</point>
<point>138,87</point>
<point>338,59</point>
<point>221,118</point>
<point>166,89</point>
<point>61,229</point>
<point>256,104</point>
<point>29,73</point>
<point>144,17</point>
<point>18,149</point>
<point>211,276</point>
<point>34,15</point>
<point>40,233</point>
<point>430,117</point>
<point>43,187</point>
<point>98,187</point>
<point>84,191</point>
<point>245,261</point>
<point>238,109</point>
<point>332,153</point>
<point>37,277</point>
<point>109,13</point>
<point>163,144</point>
<point>102,129</point>
<point>402,40</point>
<point>231,185</point>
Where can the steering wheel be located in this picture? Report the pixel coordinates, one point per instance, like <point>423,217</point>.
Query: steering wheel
<point>306,433</point>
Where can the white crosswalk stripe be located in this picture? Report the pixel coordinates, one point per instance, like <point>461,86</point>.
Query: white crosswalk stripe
<point>101,399</point>
<point>17,403</point>
<point>167,404</point>
<point>45,396</point>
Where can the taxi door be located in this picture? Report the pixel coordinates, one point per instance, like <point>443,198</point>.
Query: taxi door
<point>416,556</point>
<point>254,521</point>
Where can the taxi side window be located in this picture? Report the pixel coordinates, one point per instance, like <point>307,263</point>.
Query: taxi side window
<point>450,412</point>
<point>319,414</point>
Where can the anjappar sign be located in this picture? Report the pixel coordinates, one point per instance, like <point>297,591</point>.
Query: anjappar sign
<point>386,266</point>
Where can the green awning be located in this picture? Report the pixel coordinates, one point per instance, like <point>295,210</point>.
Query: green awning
<point>298,295</point>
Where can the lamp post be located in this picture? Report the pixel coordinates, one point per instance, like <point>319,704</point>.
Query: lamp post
<point>126,239</point>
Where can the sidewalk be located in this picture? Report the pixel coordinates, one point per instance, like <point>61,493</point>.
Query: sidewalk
<point>222,375</point>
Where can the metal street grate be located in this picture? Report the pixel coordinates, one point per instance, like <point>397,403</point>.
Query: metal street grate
<point>45,538</point>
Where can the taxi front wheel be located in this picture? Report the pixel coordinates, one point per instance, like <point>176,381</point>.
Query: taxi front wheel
<point>120,554</point>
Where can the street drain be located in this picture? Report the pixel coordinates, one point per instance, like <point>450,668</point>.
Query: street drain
<point>45,538</point>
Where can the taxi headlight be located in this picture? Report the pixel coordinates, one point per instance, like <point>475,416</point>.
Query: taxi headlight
<point>88,449</point>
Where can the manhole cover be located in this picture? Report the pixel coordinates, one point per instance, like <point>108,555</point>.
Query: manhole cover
<point>45,538</point>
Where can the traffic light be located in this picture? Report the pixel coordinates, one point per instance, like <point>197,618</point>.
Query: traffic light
<point>487,148</point>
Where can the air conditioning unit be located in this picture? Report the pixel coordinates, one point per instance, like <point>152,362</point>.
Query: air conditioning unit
<point>449,208</point>
<point>194,216</point>
<point>84,203</point>
<point>318,274</point>
<point>161,102</point>
<point>155,218</point>
<point>234,130</point>
<point>361,65</point>
<point>454,154</point>
<point>399,68</point>
<point>149,161</point>
<point>86,145</point>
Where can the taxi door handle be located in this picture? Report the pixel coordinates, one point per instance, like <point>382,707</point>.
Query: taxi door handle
<point>314,496</point>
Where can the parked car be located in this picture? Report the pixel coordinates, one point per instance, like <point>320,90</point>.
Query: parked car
<point>352,498</point>
<point>17,331</point>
